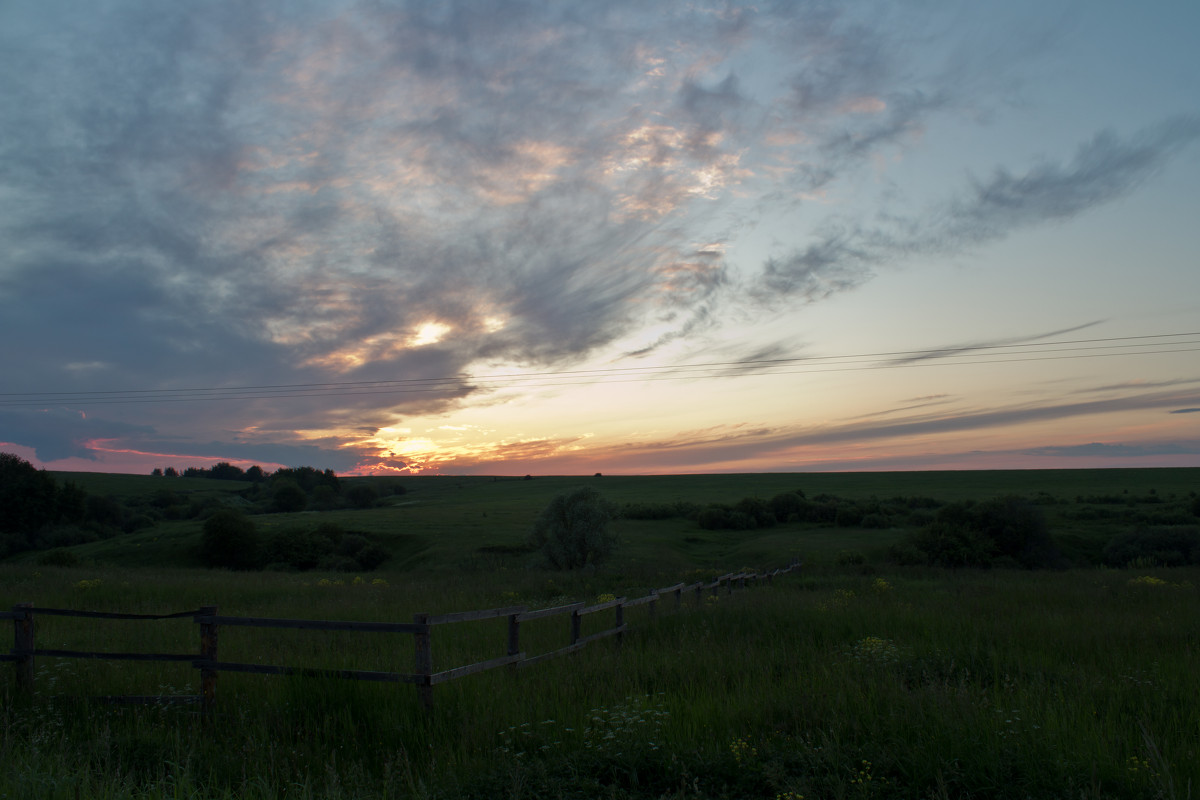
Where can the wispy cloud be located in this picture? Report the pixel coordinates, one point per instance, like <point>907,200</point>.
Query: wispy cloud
<point>224,194</point>
<point>846,253</point>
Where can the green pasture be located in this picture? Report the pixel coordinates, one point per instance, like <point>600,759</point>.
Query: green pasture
<point>854,678</point>
<point>480,523</point>
<point>904,683</point>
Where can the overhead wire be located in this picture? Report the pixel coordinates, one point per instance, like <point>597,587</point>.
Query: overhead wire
<point>1121,346</point>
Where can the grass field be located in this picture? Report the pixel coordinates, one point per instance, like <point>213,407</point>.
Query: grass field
<point>844,681</point>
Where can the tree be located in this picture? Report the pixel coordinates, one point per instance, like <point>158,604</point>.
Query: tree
<point>572,531</point>
<point>224,471</point>
<point>361,495</point>
<point>286,495</point>
<point>28,500</point>
<point>230,539</point>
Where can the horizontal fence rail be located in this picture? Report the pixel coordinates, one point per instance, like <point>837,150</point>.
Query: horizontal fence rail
<point>424,676</point>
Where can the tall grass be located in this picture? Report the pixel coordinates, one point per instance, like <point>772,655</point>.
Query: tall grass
<point>906,684</point>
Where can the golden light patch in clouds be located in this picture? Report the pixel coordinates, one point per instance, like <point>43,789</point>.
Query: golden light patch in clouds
<point>661,167</point>
<point>381,347</point>
<point>532,166</point>
<point>863,105</point>
<point>455,446</point>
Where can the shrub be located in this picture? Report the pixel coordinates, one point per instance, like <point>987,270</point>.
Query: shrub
<point>785,505</point>
<point>361,495</point>
<point>1009,529</point>
<point>947,545</point>
<point>713,518</point>
<point>231,540</point>
<point>1018,529</point>
<point>297,548</point>
<point>58,557</point>
<point>286,495</point>
<point>1166,547</point>
<point>759,510</point>
<point>848,516</point>
<point>573,530</point>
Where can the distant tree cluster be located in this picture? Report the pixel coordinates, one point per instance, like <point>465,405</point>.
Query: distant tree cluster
<point>290,489</point>
<point>232,540</point>
<point>37,513</point>
<point>751,513</point>
<point>1005,531</point>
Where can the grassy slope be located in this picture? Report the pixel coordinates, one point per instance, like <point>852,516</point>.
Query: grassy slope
<point>442,522</point>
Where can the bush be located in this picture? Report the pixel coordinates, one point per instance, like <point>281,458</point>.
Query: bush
<point>1006,529</point>
<point>572,531</point>
<point>361,495</point>
<point>286,495</point>
<point>1167,547</point>
<point>947,545</point>
<point>713,518</point>
<point>758,510</point>
<point>58,557</point>
<point>786,505</point>
<point>231,540</point>
<point>298,548</point>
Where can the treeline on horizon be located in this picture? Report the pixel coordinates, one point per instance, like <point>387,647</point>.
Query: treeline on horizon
<point>40,514</point>
<point>36,513</point>
<point>1005,531</point>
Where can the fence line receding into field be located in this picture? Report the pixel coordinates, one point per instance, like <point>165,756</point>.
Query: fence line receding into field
<point>424,677</point>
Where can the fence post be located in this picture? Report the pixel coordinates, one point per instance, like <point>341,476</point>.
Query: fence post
<point>424,660</point>
<point>514,637</point>
<point>654,605</point>
<point>208,654</point>
<point>576,625</point>
<point>679,598</point>
<point>23,646</point>
<point>620,620</point>
<point>699,594</point>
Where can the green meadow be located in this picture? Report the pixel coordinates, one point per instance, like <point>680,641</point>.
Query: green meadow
<point>853,678</point>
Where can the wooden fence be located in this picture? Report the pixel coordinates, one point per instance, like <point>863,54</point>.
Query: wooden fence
<point>424,677</point>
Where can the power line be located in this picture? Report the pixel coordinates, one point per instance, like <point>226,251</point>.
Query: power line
<point>1122,346</point>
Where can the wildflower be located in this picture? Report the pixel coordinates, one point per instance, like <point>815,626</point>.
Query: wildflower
<point>88,584</point>
<point>879,586</point>
<point>606,598</point>
<point>379,582</point>
<point>358,581</point>
<point>1147,580</point>
<point>742,750</point>
<point>873,650</point>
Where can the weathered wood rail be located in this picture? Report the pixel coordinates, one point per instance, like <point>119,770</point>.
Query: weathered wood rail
<point>424,676</point>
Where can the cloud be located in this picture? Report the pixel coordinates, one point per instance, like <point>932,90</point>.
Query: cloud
<point>843,254</point>
<point>1106,450</point>
<point>244,195</point>
<point>963,349</point>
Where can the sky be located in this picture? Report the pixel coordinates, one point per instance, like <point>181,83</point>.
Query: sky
<point>623,237</point>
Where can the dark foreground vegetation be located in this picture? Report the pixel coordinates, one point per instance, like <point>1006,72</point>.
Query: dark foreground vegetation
<point>1053,655</point>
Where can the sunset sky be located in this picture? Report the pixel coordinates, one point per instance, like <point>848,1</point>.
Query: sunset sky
<point>620,237</point>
